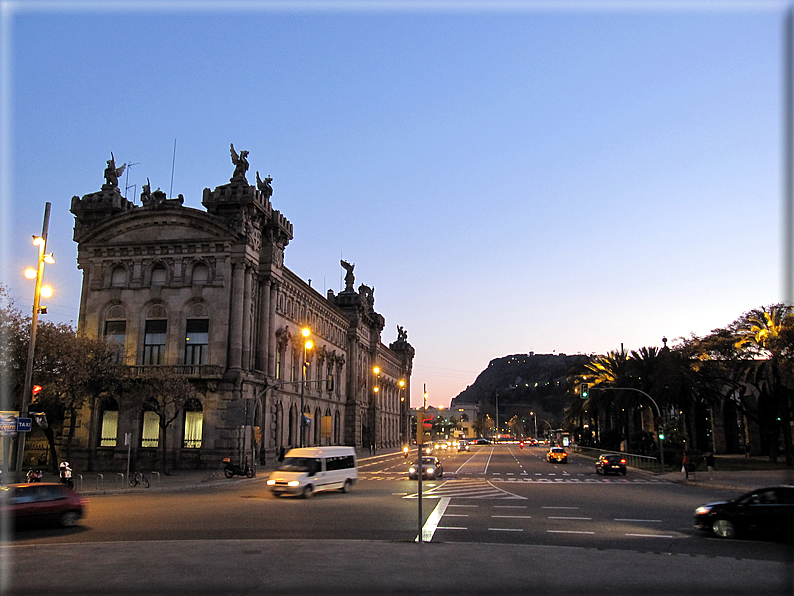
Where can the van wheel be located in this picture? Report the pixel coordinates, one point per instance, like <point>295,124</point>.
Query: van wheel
<point>346,486</point>
<point>307,491</point>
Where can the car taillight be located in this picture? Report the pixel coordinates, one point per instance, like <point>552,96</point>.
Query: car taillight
<point>623,461</point>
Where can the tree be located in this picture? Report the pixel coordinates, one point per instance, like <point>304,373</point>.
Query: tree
<point>159,390</point>
<point>765,337</point>
<point>71,369</point>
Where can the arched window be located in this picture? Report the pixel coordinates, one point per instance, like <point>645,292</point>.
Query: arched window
<point>150,429</point>
<point>118,278</point>
<point>159,275</point>
<point>293,426</point>
<point>194,424</point>
<point>116,328</point>
<point>109,417</point>
<point>197,339</point>
<point>201,274</point>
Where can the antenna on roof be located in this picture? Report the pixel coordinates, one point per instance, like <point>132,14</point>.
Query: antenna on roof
<point>127,180</point>
<point>173,161</point>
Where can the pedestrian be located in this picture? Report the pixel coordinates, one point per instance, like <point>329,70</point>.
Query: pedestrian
<point>685,465</point>
<point>281,453</point>
<point>710,461</point>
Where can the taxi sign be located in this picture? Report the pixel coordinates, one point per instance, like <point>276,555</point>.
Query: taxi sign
<point>24,425</point>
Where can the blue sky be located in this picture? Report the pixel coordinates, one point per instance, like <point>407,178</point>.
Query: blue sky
<point>510,177</point>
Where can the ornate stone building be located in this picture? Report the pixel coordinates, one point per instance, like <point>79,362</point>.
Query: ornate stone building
<point>206,295</point>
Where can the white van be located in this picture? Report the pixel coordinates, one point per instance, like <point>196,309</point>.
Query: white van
<point>310,469</point>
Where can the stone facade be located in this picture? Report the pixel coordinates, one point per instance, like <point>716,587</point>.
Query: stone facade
<point>206,294</point>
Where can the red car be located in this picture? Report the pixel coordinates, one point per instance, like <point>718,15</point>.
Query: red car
<point>43,502</point>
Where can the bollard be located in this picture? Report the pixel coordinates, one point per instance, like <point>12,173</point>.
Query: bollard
<point>121,480</point>
<point>100,482</point>
<point>78,486</point>
<point>158,477</point>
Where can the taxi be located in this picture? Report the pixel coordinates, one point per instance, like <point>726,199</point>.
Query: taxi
<point>557,455</point>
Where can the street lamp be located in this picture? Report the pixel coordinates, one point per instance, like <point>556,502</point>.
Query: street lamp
<point>41,242</point>
<point>535,416</point>
<point>407,433</point>
<point>307,345</point>
<point>375,390</point>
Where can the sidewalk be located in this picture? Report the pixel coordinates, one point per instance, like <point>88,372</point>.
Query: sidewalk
<point>105,483</point>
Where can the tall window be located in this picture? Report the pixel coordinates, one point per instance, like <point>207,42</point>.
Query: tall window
<point>279,357</point>
<point>196,341</point>
<point>150,433</point>
<point>194,423</point>
<point>110,424</point>
<point>115,332</point>
<point>154,342</point>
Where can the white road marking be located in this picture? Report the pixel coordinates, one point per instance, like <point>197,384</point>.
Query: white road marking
<point>650,535</point>
<point>513,516</point>
<point>505,529</point>
<point>567,532</point>
<point>559,508</point>
<point>432,521</point>
<point>650,521</point>
<point>552,517</point>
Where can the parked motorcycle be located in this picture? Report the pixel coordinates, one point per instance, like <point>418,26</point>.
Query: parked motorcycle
<point>66,474</point>
<point>34,476</point>
<point>230,469</point>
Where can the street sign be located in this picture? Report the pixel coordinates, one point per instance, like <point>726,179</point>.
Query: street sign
<point>24,425</point>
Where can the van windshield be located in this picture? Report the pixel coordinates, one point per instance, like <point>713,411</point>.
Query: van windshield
<point>300,464</point>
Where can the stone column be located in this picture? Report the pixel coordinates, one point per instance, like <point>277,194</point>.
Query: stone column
<point>236,316</point>
<point>262,340</point>
<point>271,331</point>
<point>247,315</point>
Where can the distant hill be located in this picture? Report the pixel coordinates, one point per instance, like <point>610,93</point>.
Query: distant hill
<point>525,383</point>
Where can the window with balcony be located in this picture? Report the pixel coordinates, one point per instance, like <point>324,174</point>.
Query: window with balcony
<point>154,342</point>
<point>196,341</point>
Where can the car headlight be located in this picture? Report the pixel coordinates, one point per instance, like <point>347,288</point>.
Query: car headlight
<point>271,482</point>
<point>294,483</point>
<point>702,510</point>
<point>430,470</point>
<point>412,470</point>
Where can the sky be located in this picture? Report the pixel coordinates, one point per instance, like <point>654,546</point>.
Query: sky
<point>511,177</point>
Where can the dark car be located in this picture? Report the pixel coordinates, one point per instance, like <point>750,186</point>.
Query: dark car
<point>43,503</point>
<point>611,463</point>
<point>764,510</point>
<point>482,441</point>
<point>557,454</point>
<point>431,468</point>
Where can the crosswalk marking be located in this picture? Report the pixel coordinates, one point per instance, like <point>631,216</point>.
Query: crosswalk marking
<point>466,489</point>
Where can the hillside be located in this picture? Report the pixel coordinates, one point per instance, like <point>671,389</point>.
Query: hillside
<point>525,383</point>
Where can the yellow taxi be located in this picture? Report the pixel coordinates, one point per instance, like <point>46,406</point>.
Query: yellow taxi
<point>557,455</point>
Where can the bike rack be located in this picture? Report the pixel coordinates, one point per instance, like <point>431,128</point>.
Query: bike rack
<point>158,477</point>
<point>100,481</point>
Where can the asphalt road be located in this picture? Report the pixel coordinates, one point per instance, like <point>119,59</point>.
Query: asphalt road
<point>493,494</point>
<point>500,516</point>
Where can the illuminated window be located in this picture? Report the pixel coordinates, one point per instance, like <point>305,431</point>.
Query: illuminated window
<point>110,424</point>
<point>150,433</point>
<point>194,424</point>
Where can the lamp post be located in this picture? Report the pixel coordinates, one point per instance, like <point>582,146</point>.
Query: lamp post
<point>307,345</point>
<point>403,408</point>
<point>376,392</point>
<point>535,416</point>
<point>41,242</point>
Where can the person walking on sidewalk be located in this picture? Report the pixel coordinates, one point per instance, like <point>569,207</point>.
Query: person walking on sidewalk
<point>710,461</point>
<point>685,465</point>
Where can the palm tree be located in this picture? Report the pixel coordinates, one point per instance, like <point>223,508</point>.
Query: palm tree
<point>764,337</point>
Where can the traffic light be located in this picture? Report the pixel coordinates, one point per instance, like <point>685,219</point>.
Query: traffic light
<point>36,390</point>
<point>423,427</point>
<point>585,390</point>
<point>661,435</point>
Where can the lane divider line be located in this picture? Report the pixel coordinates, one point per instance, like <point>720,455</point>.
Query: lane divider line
<point>432,520</point>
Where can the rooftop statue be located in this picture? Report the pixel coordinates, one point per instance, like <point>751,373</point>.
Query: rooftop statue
<point>112,173</point>
<point>264,186</point>
<point>402,334</point>
<point>349,277</point>
<point>240,163</point>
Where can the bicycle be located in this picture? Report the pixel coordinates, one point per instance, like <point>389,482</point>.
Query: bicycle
<point>139,478</point>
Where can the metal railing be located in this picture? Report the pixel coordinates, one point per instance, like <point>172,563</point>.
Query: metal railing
<point>633,460</point>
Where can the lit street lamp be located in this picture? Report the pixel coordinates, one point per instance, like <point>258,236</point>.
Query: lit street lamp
<point>376,391</point>
<point>41,242</point>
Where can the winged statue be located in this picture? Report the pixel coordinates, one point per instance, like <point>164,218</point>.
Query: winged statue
<point>112,173</point>
<point>264,185</point>
<point>240,162</point>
